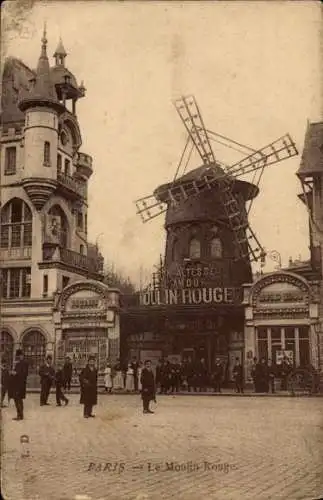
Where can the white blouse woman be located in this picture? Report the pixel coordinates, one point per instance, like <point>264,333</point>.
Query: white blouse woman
<point>108,378</point>
<point>130,383</point>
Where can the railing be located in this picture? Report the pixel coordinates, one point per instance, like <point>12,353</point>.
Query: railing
<point>72,258</point>
<point>15,253</point>
<point>72,184</point>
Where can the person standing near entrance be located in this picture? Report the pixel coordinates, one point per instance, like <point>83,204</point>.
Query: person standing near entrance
<point>19,382</point>
<point>135,366</point>
<point>59,382</point>
<point>238,376</point>
<point>89,387</point>
<point>47,377</point>
<point>148,391</point>
<point>217,375</point>
<point>67,373</point>
<point>5,378</point>
<point>272,372</point>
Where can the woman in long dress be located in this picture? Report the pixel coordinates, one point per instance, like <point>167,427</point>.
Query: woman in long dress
<point>118,378</point>
<point>108,378</point>
<point>130,379</point>
<point>139,376</point>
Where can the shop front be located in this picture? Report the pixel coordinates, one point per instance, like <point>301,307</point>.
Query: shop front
<point>281,318</point>
<point>87,322</point>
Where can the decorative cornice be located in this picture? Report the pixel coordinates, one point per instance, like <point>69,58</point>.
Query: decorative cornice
<point>280,277</point>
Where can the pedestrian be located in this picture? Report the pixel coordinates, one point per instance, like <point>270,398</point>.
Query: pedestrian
<point>5,378</point>
<point>118,382</point>
<point>130,385</point>
<point>159,369</point>
<point>272,372</point>
<point>67,374</point>
<point>253,374</point>
<point>135,366</point>
<point>285,370</point>
<point>140,368</point>
<point>59,383</point>
<point>148,392</point>
<point>217,375</point>
<point>19,382</point>
<point>108,378</point>
<point>262,376</point>
<point>238,376</point>
<point>47,378</point>
<point>89,387</point>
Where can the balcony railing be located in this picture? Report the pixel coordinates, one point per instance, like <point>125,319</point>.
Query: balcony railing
<point>15,253</point>
<point>72,184</point>
<point>72,258</point>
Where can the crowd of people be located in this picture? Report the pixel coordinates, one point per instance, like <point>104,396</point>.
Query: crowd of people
<point>169,377</point>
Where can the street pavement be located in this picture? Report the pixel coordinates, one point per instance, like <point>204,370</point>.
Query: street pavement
<point>193,447</point>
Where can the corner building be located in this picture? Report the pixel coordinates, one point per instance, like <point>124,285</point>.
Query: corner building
<point>52,298</point>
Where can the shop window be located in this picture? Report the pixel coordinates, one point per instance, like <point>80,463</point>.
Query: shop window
<point>216,248</point>
<point>46,153</point>
<point>16,224</point>
<point>6,347</point>
<point>34,347</point>
<point>195,249</point>
<point>16,282</point>
<point>11,161</point>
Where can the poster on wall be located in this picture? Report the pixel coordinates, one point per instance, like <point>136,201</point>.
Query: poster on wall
<point>280,355</point>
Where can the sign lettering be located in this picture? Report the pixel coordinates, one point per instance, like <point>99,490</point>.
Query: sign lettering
<point>190,296</point>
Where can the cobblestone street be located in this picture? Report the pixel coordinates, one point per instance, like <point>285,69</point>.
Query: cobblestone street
<point>192,447</point>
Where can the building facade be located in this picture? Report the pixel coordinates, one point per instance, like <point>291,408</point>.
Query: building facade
<point>45,254</point>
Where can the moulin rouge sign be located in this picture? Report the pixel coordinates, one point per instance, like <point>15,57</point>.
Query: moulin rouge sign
<point>190,296</point>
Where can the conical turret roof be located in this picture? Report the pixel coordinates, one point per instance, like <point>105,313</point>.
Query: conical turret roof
<point>60,50</point>
<point>43,92</point>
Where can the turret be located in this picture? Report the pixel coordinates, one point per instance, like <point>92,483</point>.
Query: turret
<point>42,110</point>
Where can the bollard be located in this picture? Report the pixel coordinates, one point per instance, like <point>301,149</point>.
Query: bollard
<point>24,441</point>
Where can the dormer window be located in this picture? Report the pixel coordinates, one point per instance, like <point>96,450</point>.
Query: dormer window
<point>47,154</point>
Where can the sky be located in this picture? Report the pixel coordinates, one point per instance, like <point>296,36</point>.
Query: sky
<point>254,68</point>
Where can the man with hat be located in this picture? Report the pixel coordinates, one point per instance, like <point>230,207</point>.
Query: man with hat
<point>47,377</point>
<point>89,387</point>
<point>19,382</point>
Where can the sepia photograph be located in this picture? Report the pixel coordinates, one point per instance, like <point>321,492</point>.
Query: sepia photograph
<point>161,250</point>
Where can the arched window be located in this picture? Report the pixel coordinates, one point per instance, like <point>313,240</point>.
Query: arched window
<point>34,347</point>
<point>216,248</point>
<point>46,153</point>
<point>63,226</point>
<point>16,225</point>
<point>195,249</point>
<point>67,167</point>
<point>6,347</point>
<point>82,249</point>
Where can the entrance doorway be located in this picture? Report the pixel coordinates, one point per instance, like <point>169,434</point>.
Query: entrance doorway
<point>274,342</point>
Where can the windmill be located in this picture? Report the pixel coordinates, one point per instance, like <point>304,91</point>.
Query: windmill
<point>214,175</point>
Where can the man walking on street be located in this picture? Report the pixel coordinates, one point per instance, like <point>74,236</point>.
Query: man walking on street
<point>47,377</point>
<point>67,373</point>
<point>238,376</point>
<point>148,392</point>
<point>217,375</point>
<point>59,380</point>
<point>19,382</point>
<point>89,387</point>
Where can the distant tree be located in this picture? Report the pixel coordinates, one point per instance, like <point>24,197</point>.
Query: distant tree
<point>117,279</point>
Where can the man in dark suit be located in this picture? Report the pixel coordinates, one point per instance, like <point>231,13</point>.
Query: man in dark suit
<point>89,387</point>
<point>5,377</point>
<point>59,383</point>
<point>67,373</point>
<point>148,391</point>
<point>47,377</point>
<point>19,382</point>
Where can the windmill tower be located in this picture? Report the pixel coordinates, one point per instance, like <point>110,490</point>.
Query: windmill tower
<point>207,208</point>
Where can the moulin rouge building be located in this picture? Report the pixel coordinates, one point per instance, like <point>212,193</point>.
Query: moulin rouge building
<point>52,296</point>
